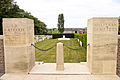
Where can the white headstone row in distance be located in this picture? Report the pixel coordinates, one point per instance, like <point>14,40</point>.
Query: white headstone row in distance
<point>42,37</point>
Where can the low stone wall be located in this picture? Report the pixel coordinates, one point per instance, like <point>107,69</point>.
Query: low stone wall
<point>118,57</point>
<point>2,64</point>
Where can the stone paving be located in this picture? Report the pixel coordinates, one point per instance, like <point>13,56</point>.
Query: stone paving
<point>1,74</point>
<point>45,72</point>
<point>58,77</point>
<point>69,68</point>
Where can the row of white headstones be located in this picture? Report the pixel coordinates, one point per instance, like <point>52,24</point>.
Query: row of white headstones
<point>43,37</point>
<point>39,38</point>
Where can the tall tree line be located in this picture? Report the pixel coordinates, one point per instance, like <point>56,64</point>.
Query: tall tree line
<point>9,9</point>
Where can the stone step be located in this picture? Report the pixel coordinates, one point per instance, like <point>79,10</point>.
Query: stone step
<point>69,69</point>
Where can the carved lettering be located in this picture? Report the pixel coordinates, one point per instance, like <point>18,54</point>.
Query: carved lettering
<point>105,27</point>
<point>14,30</point>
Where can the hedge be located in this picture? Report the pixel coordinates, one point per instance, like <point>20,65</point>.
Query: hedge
<point>67,35</point>
<point>82,38</point>
<point>44,34</point>
<point>60,35</point>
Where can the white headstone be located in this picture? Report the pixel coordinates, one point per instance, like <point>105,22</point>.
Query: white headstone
<point>63,36</point>
<point>80,43</point>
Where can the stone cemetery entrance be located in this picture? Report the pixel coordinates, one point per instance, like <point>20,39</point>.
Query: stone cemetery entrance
<point>60,57</point>
<point>102,37</point>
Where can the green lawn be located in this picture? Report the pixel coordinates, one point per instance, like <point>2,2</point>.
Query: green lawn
<point>70,56</point>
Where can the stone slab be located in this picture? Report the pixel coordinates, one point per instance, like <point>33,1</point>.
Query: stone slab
<point>63,38</point>
<point>69,69</point>
<point>58,77</point>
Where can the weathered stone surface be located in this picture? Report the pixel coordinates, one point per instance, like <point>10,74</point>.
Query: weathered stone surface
<point>60,57</point>
<point>18,36</point>
<point>1,36</point>
<point>102,36</point>
<point>58,77</point>
<point>118,57</point>
<point>2,63</point>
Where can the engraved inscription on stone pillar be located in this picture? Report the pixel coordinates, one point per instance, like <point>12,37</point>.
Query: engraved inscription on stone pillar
<point>103,37</point>
<point>18,36</point>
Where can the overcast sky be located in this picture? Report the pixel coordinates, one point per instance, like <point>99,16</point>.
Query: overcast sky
<point>76,12</point>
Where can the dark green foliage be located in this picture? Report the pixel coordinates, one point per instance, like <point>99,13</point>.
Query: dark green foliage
<point>1,31</point>
<point>82,38</point>
<point>9,9</point>
<point>61,23</point>
<point>119,29</point>
<point>44,34</point>
<point>67,35</point>
<point>60,35</point>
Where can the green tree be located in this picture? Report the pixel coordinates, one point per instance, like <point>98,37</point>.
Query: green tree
<point>61,23</point>
<point>5,6</point>
<point>9,9</point>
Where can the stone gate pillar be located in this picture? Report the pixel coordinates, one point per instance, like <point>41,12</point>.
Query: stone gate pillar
<point>102,35</point>
<point>18,36</point>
